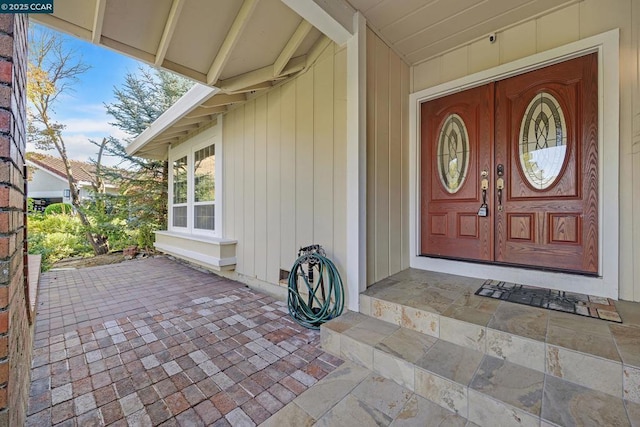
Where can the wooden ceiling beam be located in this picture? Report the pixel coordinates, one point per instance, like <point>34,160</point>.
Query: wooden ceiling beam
<point>294,65</point>
<point>61,25</point>
<point>290,48</point>
<point>316,50</point>
<point>334,18</point>
<point>174,133</point>
<point>169,28</point>
<point>162,141</point>
<point>260,76</point>
<point>185,71</point>
<point>184,126</point>
<point>127,49</point>
<point>98,20</point>
<point>156,152</point>
<point>238,26</point>
<point>254,88</point>
<point>201,112</point>
<point>223,99</point>
<point>248,79</point>
<point>188,121</point>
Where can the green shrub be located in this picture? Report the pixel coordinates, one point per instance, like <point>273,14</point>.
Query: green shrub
<point>107,217</point>
<point>58,233</point>
<point>55,237</point>
<point>58,208</point>
<point>118,236</point>
<point>145,237</point>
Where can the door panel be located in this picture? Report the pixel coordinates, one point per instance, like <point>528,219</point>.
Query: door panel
<point>549,219</point>
<point>541,129</point>
<point>456,147</point>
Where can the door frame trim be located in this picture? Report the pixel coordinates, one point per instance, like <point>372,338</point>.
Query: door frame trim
<point>607,283</point>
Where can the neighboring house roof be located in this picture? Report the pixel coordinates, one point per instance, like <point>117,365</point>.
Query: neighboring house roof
<point>84,173</point>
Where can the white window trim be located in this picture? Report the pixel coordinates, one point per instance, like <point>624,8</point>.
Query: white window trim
<point>171,203</point>
<point>607,284</point>
<point>191,197</point>
<point>187,149</point>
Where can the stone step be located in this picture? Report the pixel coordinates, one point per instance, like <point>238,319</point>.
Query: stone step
<point>473,384</point>
<point>352,395</point>
<point>594,353</point>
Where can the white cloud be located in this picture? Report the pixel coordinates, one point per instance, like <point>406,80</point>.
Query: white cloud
<point>91,126</point>
<point>96,109</point>
<point>83,123</point>
<point>78,144</point>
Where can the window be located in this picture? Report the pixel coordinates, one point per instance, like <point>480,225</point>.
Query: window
<point>193,200</point>
<point>180,192</point>
<point>204,188</point>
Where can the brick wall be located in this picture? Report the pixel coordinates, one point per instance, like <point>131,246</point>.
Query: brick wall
<point>16,329</point>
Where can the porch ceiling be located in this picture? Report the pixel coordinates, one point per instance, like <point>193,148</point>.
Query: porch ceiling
<point>421,29</point>
<point>241,47</point>
<point>207,41</point>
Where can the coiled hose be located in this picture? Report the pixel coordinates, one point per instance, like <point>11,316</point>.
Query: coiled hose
<point>322,285</point>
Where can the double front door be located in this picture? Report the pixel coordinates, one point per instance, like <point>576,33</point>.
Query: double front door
<point>509,170</point>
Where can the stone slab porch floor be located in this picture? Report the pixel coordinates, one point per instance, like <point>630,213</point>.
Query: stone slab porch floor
<point>155,342</point>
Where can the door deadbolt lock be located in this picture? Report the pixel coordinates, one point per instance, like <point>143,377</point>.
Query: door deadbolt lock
<point>484,182</point>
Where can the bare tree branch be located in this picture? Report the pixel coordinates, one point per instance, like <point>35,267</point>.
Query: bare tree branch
<point>52,71</point>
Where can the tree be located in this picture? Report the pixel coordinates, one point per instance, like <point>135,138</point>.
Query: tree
<point>52,71</point>
<point>142,98</point>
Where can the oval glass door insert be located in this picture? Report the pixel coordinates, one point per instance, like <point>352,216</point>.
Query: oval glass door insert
<point>453,153</point>
<point>543,141</point>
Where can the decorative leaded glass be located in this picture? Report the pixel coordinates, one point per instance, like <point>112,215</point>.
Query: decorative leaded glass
<point>453,153</point>
<point>543,141</point>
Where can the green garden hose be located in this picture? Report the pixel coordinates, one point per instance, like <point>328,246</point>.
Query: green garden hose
<point>314,275</point>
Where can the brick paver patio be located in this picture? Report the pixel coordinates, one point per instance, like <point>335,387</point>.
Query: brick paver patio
<point>155,342</point>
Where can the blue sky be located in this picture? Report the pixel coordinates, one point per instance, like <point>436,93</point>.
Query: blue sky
<point>82,110</point>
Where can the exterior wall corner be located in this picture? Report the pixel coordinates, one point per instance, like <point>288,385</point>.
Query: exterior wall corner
<point>16,322</point>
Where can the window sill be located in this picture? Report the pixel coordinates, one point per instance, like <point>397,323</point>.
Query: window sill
<point>197,237</point>
<point>214,253</point>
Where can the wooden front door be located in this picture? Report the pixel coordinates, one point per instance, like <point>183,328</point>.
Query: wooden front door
<point>457,129</point>
<point>533,138</point>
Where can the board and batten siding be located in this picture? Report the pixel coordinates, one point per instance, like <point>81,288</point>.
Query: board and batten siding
<point>634,292</point>
<point>557,28</point>
<point>387,161</point>
<point>284,168</point>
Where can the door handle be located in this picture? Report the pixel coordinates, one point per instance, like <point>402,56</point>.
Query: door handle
<point>484,186</point>
<point>500,184</point>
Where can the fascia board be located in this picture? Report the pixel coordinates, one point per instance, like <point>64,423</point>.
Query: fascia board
<point>189,102</point>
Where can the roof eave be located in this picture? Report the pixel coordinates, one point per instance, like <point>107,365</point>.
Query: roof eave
<point>187,103</point>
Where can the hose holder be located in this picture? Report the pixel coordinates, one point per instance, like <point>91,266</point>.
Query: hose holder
<point>316,293</point>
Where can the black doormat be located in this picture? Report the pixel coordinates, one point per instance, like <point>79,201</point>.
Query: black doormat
<point>569,302</point>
